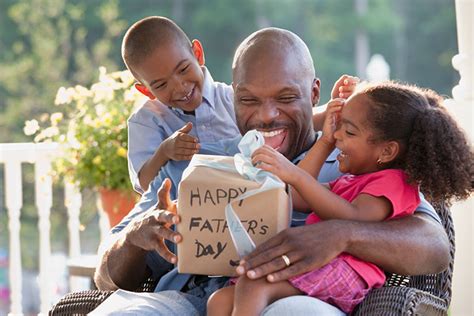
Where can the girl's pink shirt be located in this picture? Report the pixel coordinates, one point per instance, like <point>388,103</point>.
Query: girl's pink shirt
<point>389,183</point>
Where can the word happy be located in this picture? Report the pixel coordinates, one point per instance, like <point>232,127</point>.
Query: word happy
<point>215,197</point>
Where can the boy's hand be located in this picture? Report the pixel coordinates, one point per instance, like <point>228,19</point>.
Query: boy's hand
<point>269,159</point>
<point>331,121</point>
<point>181,145</point>
<point>344,87</point>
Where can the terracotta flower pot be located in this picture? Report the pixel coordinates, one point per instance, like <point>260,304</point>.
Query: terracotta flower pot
<point>117,203</point>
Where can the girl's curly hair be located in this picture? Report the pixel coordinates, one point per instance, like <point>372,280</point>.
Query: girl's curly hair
<point>434,151</point>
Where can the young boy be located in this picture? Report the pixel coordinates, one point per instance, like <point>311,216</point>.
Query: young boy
<point>170,71</point>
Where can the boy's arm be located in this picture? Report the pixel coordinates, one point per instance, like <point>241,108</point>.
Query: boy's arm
<point>152,166</point>
<point>179,146</point>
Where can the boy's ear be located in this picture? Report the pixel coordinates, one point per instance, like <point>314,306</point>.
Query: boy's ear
<point>390,152</point>
<point>144,90</point>
<point>198,51</point>
<point>315,91</point>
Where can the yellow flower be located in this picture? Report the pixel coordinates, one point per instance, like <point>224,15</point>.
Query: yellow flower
<point>31,127</point>
<point>100,109</point>
<point>126,77</point>
<point>107,119</point>
<point>56,118</point>
<point>103,92</point>
<point>64,96</point>
<point>81,92</point>
<point>97,160</point>
<point>122,152</point>
<point>51,131</point>
<point>92,129</point>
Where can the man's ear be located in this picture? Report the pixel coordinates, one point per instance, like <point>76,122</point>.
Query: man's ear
<point>315,91</point>
<point>198,51</point>
<point>389,152</point>
<point>144,90</point>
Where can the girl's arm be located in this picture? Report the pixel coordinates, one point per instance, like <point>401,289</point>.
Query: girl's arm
<point>343,88</point>
<point>323,202</point>
<point>317,155</point>
<point>312,164</point>
<point>328,205</point>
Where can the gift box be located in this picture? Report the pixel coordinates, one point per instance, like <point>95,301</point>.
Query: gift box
<point>208,185</point>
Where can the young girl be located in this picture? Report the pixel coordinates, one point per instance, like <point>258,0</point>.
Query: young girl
<point>393,139</point>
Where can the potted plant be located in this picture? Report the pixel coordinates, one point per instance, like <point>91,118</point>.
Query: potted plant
<point>91,127</point>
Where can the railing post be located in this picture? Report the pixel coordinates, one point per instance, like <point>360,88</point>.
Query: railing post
<point>14,197</point>
<point>44,201</point>
<point>462,107</point>
<point>73,202</point>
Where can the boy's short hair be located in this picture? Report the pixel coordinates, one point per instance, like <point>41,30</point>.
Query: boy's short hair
<point>146,35</point>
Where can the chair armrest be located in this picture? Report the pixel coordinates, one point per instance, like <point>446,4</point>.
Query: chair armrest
<point>401,301</point>
<point>79,303</point>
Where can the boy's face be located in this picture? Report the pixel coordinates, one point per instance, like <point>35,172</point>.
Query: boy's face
<point>173,75</point>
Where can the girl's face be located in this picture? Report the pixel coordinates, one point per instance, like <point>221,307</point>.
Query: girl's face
<point>358,154</point>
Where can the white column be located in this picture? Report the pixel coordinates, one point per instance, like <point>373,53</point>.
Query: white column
<point>104,226</point>
<point>73,202</point>
<point>362,46</point>
<point>377,69</point>
<point>14,197</point>
<point>462,107</point>
<point>44,201</point>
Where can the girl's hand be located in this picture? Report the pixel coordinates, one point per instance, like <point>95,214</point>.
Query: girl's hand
<point>269,159</point>
<point>180,145</point>
<point>331,121</point>
<point>344,87</point>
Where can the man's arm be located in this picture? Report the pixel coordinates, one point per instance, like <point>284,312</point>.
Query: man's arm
<point>123,256</point>
<point>121,266</point>
<point>411,245</point>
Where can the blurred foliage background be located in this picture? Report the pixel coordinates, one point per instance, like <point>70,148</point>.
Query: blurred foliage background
<point>46,44</point>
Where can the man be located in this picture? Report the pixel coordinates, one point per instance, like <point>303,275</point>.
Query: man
<point>275,88</point>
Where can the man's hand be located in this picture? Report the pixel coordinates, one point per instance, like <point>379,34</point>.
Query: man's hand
<point>308,247</point>
<point>180,145</point>
<point>344,87</point>
<point>149,231</point>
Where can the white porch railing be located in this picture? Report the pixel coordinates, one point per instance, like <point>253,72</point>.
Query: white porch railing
<point>41,155</point>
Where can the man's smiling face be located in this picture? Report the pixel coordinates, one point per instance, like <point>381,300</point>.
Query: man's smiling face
<point>273,95</point>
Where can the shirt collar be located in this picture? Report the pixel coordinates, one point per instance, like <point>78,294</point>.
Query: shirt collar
<point>208,87</point>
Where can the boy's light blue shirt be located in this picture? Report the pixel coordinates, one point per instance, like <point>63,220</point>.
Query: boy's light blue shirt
<point>152,123</point>
<point>170,279</point>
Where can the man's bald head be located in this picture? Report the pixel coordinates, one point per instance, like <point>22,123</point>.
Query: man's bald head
<point>275,44</point>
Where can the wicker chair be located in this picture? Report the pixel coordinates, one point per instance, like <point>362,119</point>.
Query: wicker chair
<point>417,295</point>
